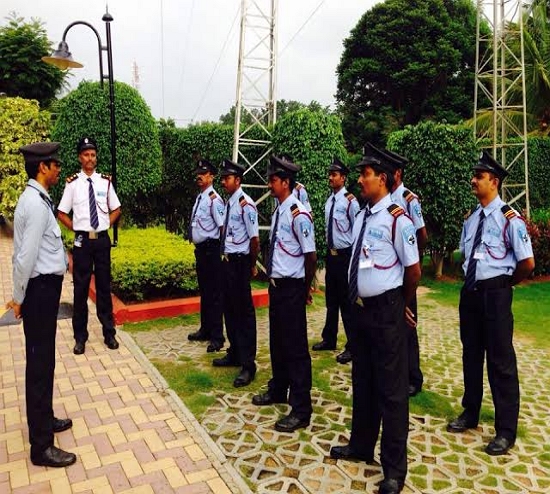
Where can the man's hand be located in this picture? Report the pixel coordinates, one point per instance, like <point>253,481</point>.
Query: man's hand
<point>254,271</point>
<point>410,317</point>
<point>16,308</point>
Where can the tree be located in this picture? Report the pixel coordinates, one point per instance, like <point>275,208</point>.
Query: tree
<point>85,112</point>
<point>22,72</point>
<point>406,61</point>
<point>21,123</point>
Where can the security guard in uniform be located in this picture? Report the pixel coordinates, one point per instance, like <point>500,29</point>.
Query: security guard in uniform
<point>207,220</point>
<point>383,276</point>
<point>290,266</point>
<point>39,263</point>
<point>410,203</point>
<point>498,254</point>
<point>340,210</point>
<point>301,194</point>
<point>240,245</point>
<point>95,205</point>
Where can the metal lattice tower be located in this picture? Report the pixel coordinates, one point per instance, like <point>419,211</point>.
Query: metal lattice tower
<point>256,85</point>
<point>500,80</point>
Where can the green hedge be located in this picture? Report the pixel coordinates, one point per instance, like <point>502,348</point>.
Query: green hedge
<point>152,263</point>
<point>539,229</point>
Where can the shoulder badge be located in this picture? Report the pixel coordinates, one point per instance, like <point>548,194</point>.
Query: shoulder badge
<point>242,201</point>
<point>508,212</point>
<point>212,195</point>
<point>396,210</point>
<point>298,186</point>
<point>106,176</point>
<point>349,196</point>
<point>72,178</point>
<point>408,195</point>
<point>295,210</point>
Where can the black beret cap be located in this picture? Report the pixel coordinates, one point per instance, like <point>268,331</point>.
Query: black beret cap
<point>374,157</point>
<point>204,166</point>
<point>282,165</point>
<point>487,163</point>
<point>86,143</point>
<point>229,167</point>
<point>338,166</point>
<point>40,151</point>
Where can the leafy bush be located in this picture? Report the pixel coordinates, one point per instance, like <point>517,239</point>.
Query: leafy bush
<point>152,263</point>
<point>539,229</point>
<point>441,160</point>
<point>312,139</point>
<point>21,123</point>
<point>85,112</point>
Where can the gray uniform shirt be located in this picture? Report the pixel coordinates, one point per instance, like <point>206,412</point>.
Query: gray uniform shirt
<point>37,244</point>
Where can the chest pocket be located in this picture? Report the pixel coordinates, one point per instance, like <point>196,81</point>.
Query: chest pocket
<point>381,252</point>
<point>52,237</point>
<point>495,246</point>
<point>341,219</point>
<point>287,241</point>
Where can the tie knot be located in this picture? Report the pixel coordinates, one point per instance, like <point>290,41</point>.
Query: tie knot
<point>89,180</point>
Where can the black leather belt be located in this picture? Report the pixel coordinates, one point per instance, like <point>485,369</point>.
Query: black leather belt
<point>92,235</point>
<point>502,281</point>
<point>211,242</point>
<point>382,299</point>
<point>235,257</point>
<point>281,282</point>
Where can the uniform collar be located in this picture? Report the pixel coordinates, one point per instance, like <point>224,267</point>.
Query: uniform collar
<point>340,193</point>
<point>381,204</point>
<point>93,176</point>
<point>235,196</point>
<point>289,201</point>
<point>495,204</point>
<point>207,191</point>
<point>399,189</point>
<point>36,185</point>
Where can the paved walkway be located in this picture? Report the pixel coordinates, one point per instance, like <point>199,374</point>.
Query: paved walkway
<point>131,434</point>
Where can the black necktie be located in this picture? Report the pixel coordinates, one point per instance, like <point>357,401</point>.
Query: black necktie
<point>272,245</point>
<point>472,263</point>
<point>354,265</point>
<point>330,233</point>
<point>190,229</point>
<point>226,222</point>
<point>94,221</point>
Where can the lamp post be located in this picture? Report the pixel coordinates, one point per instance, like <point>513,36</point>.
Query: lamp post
<point>62,58</point>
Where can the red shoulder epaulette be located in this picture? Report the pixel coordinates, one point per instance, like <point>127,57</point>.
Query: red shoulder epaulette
<point>396,210</point>
<point>106,176</point>
<point>212,195</point>
<point>72,178</point>
<point>350,197</point>
<point>408,195</point>
<point>242,201</point>
<point>294,210</point>
<point>508,212</point>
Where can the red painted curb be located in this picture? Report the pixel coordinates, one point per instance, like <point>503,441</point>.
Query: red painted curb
<point>166,308</point>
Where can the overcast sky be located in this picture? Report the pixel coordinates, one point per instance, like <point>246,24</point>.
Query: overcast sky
<point>195,33</point>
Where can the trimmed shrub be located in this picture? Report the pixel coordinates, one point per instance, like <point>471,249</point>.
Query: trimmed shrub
<point>21,123</point>
<point>85,112</point>
<point>539,229</point>
<point>441,160</point>
<point>152,263</point>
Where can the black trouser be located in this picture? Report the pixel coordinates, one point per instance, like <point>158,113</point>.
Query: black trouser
<point>416,378</point>
<point>93,257</point>
<point>238,310</point>
<point>39,312</point>
<point>288,345</point>
<point>486,327</point>
<point>336,296</point>
<point>380,381</point>
<point>209,266</point>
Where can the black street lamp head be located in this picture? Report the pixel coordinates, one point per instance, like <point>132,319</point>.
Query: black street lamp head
<point>62,58</point>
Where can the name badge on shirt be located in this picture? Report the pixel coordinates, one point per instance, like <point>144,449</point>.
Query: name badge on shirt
<point>229,239</point>
<point>366,263</point>
<point>193,224</point>
<point>479,255</point>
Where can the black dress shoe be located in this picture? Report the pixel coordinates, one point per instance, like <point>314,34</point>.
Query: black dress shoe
<point>499,446</point>
<point>413,390</point>
<point>290,423</point>
<point>244,378</point>
<point>461,423</point>
<point>323,345</point>
<point>267,399</point>
<point>54,457</point>
<point>60,425</point>
<point>390,486</point>
<point>344,357</point>
<point>111,342</point>
<point>214,346</point>
<point>199,335</point>
<point>79,347</point>
<point>348,453</point>
<point>225,361</point>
